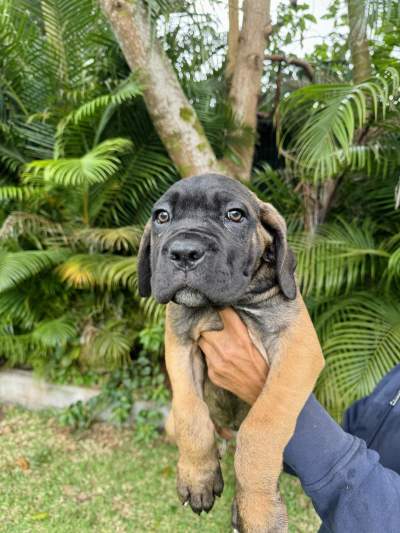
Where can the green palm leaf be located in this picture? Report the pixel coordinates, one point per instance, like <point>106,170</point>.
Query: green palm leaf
<point>94,167</point>
<point>54,333</point>
<point>15,308</point>
<point>361,347</point>
<point>107,103</point>
<point>152,310</point>
<point>15,348</point>
<point>21,223</point>
<point>126,91</point>
<point>105,271</point>
<point>20,266</point>
<point>111,344</point>
<point>337,258</point>
<point>10,192</point>
<point>125,238</point>
<point>319,123</point>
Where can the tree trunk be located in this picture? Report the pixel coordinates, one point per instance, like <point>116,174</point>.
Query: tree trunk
<point>317,201</point>
<point>233,39</point>
<point>358,40</point>
<point>246,80</point>
<point>173,116</point>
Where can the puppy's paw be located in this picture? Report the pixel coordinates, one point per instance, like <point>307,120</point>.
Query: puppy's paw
<point>199,486</point>
<point>257,513</point>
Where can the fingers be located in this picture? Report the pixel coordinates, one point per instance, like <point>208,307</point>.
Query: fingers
<point>212,355</point>
<point>213,360</point>
<point>233,329</point>
<point>232,321</point>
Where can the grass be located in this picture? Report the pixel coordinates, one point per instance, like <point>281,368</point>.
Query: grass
<point>101,481</point>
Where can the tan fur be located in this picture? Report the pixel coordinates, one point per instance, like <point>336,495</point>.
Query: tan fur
<point>198,467</point>
<point>284,334</point>
<point>270,424</point>
<point>296,364</point>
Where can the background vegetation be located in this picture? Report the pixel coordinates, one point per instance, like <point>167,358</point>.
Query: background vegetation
<point>82,161</point>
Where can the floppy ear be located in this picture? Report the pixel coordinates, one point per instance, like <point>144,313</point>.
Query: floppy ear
<point>274,222</point>
<point>143,262</point>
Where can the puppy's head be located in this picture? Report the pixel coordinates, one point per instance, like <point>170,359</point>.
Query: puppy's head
<point>208,239</point>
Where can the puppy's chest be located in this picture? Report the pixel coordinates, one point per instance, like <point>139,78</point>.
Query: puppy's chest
<point>265,323</point>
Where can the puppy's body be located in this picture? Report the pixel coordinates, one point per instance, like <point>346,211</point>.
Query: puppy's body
<point>213,244</point>
<point>266,319</point>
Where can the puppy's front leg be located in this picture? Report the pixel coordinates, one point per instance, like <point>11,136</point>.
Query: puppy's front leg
<point>199,477</point>
<point>270,424</point>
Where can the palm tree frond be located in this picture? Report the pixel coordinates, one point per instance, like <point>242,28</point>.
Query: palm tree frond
<point>95,166</point>
<point>20,266</point>
<point>322,121</point>
<point>362,346</point>
<point>122,239</point>
<point>54,333</point>
<point>90,270</point>
<point>339,257</point>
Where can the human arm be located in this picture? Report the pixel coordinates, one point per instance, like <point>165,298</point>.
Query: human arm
<point>350,489</point>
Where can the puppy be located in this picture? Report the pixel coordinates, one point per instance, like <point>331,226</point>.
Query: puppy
<point>211,243</point>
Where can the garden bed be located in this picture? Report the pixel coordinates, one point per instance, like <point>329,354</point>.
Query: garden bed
<point>23,388</point>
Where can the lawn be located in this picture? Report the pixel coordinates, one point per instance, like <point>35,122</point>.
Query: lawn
<point>101,481</point>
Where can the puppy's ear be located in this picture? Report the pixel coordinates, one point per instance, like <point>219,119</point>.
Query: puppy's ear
<point>143,262</point>
<point>275,224</point>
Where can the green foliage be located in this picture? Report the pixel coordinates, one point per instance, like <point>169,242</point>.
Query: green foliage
<point>16,267</point>
<point>80,168</point>
<point>148,423</point>
<point>322,145</point>
<point>143,379</point>
<point>340,257</point>
<point>81,165</point>
<point>348,271</point>
<point>96,166</point>
<point>361,343</point>
<point>345,137</point>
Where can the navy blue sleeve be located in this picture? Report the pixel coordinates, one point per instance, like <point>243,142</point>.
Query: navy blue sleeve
<point>350,489</point>
<point>376,419</point>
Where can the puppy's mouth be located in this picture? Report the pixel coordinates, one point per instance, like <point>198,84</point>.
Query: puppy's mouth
<point>190,297</point>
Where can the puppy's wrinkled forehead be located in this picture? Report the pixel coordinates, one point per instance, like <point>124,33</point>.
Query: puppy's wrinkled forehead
<point>209,192</point>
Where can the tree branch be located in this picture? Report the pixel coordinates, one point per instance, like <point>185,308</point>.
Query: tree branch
<point>358,41</point>
<point>233,38</point>
<point>173,116</point>
<point>246,79</point>
<point>301,63</point>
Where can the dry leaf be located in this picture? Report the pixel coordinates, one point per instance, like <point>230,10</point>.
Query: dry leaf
<point>23,463</point>
<point>82,497</point>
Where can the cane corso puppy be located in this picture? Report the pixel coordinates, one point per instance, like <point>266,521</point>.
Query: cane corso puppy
<point>212,243</point>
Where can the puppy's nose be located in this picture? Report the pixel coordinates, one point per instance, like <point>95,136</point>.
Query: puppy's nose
<point>186,254</point>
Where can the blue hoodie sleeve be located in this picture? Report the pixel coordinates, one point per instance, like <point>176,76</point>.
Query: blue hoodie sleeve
<point>351,491</point>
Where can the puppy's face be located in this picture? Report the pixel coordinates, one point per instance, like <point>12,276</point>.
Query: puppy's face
<point>205,241</point>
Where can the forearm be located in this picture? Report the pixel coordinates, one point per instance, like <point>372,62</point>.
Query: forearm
<point>350,489</point>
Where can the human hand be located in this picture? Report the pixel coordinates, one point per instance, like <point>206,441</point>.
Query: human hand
<point>234,363</point>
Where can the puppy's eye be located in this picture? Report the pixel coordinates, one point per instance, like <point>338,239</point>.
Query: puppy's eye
<point>235,215</point>
<point>162,217</point>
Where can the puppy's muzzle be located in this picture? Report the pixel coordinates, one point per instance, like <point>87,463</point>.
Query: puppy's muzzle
<point>186,254</point>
